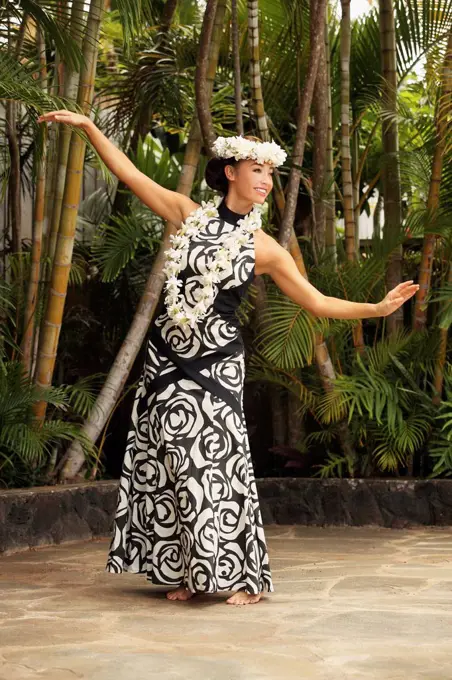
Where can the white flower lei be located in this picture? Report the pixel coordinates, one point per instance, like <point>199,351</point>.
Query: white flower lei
<point>178,309</point>
<point>241,148</point>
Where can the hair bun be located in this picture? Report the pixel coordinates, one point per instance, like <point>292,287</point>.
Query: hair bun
<point>215,176</point>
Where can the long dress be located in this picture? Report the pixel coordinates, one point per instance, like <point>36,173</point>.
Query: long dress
<point>188,510</point>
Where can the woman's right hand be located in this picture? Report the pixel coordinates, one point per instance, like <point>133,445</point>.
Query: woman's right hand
<point>170,205</point>
<point>65,116</point>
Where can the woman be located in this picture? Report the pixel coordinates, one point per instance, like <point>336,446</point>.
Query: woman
<point>188,512</point>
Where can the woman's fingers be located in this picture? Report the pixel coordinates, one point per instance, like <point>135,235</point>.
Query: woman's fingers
<point>412,290</point>
<point>400,294</point>
<point>50,116</point>
<point>406,288</point>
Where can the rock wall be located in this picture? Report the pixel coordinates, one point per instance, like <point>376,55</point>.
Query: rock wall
<point>55,514</point>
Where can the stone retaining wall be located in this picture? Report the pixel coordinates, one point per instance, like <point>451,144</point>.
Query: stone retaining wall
<point>46,515</point>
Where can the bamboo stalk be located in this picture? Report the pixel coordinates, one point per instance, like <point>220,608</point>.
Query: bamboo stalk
<point>347,182</point>
<point>255,70</point>
<point>14,195</point>
<point>442,128</point>
<point>321,124</point>
<point>257,99</point>
<point>237,72</point>
<point>38,226</point>
<point>330,217</point>
<point>63,254</point>
<point>65,134</point>
<point>356,188</point>
<point>202,97</point>
<point>391,169</point>
<point>317,40</point>
<point>257,96</point>
<point>442,356</point>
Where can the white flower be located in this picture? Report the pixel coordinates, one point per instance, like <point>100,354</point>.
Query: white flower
<point>210,277</point>
<point>173,283</point>
<point>171,268</point>
<point>178,309</point>
<point>240,148</point>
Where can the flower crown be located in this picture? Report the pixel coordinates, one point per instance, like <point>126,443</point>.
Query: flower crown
<point>241,148</point>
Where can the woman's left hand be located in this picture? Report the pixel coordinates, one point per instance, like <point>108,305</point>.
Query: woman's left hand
<point>396,297</point>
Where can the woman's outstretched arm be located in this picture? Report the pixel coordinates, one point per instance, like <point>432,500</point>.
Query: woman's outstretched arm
<point>273,259</point>
<point>170,205</point>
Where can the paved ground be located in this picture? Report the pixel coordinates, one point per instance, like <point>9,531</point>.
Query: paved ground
<point>367,603</point>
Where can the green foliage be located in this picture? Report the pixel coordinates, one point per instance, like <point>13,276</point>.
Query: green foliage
<point>25,444</point>
<point>287,335</point>
<point>115,244</point>
<point>46,14</point>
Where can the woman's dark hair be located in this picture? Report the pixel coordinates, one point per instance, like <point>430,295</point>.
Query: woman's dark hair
<point>215,175</point>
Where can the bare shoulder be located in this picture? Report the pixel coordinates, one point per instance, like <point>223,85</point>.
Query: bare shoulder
<point>268,252</point>
<point>187,206</point>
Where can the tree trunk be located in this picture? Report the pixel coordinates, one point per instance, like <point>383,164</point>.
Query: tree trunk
<point>257,96</point>
<point>63,255</point>
<point>201,89</point>
<point>321,123</point>
<point>442,127</point>
<point>347,181</point>
<point>377,217</point>
<point>330,203</point>
<point>194,146</point>
<point>11,108</point>
<point>56,88</point>
<point>442,356</point>
<point>71,82</point>
<point>351,242</point>
<point>323,360</point>
<point>168,14</point>
<point>391,167</point>
<point>279,415</point>
<point>328,376</point>
<point>356,185</point>
<point>14,198</point>
<point>317,43</point>
<point>38,226</point>
<point>255,70</point>
<point>237,71</point>
<point>74,458</point>
<point>296,427</point>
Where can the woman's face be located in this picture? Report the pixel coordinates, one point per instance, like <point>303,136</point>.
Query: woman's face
<point>250,181</point>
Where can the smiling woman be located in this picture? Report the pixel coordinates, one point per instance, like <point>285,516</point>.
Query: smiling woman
<point>233,165</point>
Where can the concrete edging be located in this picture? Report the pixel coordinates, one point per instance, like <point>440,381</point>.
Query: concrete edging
<point>39,516</point>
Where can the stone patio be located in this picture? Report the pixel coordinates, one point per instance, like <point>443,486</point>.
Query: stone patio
<point>349,602</point>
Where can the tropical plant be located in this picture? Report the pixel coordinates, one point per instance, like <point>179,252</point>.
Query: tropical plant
<point>164,68</point>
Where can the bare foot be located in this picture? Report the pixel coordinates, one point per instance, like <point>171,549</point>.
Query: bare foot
<point>242,597</point>
<point>180,593</point>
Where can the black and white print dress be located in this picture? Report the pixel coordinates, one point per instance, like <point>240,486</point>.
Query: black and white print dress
<point>188,510</point>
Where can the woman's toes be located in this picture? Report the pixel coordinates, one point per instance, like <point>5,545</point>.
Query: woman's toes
<point>180,593</point>
<point>242,597</point>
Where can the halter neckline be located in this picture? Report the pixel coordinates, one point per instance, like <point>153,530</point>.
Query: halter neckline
<point>228,214</point>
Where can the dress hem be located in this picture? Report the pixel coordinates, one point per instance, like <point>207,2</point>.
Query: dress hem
<point>234,588</point>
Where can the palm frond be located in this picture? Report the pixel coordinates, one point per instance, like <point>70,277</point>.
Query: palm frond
<point>286,337</point>
<point>116,243</point>
<point>259,369</point>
